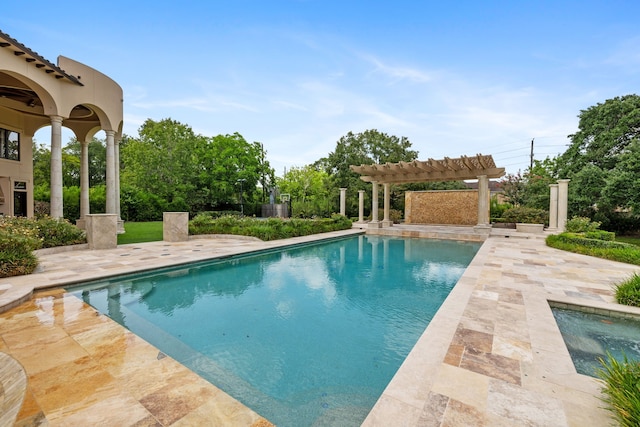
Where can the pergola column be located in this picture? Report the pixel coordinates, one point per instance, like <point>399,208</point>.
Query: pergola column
<point>84,184</point>
<point>553,207</point>
<point>360,206</point>
<point>343,201</point>
<point>483,200</point>
<point>111,173</point>
<point>374,223</point>
<point>56,167</point>
<point>386,222</point>
<point>563,196</point>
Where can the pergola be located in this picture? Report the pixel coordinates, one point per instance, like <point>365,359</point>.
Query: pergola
<point>480,167</point>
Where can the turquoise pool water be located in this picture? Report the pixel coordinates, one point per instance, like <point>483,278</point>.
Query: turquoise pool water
<point>305,336</point>
<point>590,336</point>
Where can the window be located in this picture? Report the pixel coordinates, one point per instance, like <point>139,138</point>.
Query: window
<point>9,144</point>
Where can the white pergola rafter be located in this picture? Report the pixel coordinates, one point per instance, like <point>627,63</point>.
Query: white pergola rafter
<point>447,169</point>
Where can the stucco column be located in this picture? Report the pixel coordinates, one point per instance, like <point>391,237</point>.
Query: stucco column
<point>117,170</point>
<point>563,201</point>
<point>343,201</point>
<point>116,161</point>
<point>483,200</point>
<point>111,173</point>
<point>553,207</point>
<point>374,223</point>
<point>386,222</point>
<point>56,167</point>
<point>360,206</point>
<point>84,184</point>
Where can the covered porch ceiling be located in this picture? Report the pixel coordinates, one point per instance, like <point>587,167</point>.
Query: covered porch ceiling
<point>447,169</point>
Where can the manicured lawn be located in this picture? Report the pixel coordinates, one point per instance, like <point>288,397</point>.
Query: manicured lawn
<point>137,232</point>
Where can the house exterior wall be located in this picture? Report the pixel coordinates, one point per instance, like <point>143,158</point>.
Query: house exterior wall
<point>12,171</point>
<point>451,207</point>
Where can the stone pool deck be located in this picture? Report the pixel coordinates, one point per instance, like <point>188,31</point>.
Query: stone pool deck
<point>492,356</point>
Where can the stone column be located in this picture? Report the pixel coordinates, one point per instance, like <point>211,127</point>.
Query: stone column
<point>343,201</point>
<point>175,226</point>
<point>101,231</point>
<point>374,206</point>
<point>117,174</point>
<point>553,207</point>
<point>84,184</point>
<point>563,201</point>
<point>56,167</point>
<point>360,206</point>
<point>483,204</point>
<point>386,222</point>
<point>111,173</point>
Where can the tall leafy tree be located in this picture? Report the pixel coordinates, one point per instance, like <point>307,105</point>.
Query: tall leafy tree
<point>309,188</point>
<point>97,154</point>
<point>604,131</point>
<point>365,148</point>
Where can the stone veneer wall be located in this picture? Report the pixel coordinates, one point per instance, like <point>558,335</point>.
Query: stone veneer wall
<point>459,207</point>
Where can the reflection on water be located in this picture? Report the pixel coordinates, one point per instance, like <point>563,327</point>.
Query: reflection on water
<point>300,335</point>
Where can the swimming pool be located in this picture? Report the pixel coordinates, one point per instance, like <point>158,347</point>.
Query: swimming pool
<point>303,335</point>
<point>589,336</point>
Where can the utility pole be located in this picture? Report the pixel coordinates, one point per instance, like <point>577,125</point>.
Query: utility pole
<point>531,162</point>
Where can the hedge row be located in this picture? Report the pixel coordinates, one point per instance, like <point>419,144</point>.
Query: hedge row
<point>269,229</point>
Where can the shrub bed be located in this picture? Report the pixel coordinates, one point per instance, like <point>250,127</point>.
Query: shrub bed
<point>19,237</point>
<point>607,249</point>
<point>526,215</point>
<point>269,229</point>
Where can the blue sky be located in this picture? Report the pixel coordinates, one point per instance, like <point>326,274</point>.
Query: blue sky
<point>455,78</point>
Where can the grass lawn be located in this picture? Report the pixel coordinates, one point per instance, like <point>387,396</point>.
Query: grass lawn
<point>137,232</point>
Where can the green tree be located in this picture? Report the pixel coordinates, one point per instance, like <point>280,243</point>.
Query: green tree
<point>604,131</point>
<point>97,154</point>
<point>309,188</point>
<point>368,147</point>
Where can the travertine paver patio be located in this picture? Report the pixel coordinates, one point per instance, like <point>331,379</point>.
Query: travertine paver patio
<point>492,355</point>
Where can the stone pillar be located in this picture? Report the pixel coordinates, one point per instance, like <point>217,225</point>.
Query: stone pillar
<point>563,201</point>
<point>117,176</point>
<point>553,207</point>
<point>360,206</point>
<point>483,204</point>
<point>84,184</point>
<point>102,231</point>
<point>56,167</point>
<point>343,201</point>
<point>386,222</point>
<point>175,226</point>
<point>374,206</point>
<point>111,173</point>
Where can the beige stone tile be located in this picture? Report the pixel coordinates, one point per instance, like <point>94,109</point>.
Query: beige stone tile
<point>391,412</point>
<point>462,385</point>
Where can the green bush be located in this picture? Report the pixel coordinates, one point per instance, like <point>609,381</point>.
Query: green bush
<point>628,292</point>
<point>16,254</point>
<point>498,209</point>
<point>622,389</point>
<point>526,215</point>
<point>269,229</point>
<point>59,232</point>
<point>600,235</point>
<point>581,224</point>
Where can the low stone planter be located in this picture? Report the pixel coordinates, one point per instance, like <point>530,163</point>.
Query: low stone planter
<point>529,228</point>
